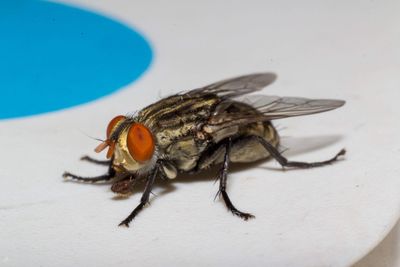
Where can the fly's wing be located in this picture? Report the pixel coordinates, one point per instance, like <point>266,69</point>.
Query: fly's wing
<point>236,86</point>
<point>256,108</point>
<point>222,90</point>
<point>275,107</point>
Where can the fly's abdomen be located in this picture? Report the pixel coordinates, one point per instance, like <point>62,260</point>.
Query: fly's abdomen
<point>246,149</point>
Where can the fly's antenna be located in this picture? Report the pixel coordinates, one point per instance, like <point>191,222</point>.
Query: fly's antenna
<point>97,139</point>
<point>94,138</point>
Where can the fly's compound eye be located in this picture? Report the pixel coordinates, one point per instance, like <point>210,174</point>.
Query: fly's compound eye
<point>111,126</point>
<point>140,142</point>
<point>114,123</point>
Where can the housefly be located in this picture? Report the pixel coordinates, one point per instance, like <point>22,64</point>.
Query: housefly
<point>191,131</point>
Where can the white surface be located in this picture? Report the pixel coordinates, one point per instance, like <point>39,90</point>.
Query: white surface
<point>329,216</point>
<point>386,254</point>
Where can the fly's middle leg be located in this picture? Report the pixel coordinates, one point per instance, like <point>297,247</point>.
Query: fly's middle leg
<point>223,175</point>
<point>273,151</point>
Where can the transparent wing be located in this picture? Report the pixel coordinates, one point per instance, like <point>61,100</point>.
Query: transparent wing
<point>274,107</point>
<point>236,86</point>
<point>255,108</point>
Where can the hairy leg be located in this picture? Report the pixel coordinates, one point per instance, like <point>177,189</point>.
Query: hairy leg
<point>96,161</point>
<point>105,177</point>
<point>223,175</point>
<point>145,198</point>
<point>274,152</point>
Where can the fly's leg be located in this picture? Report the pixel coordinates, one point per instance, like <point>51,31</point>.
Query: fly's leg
<point>223,175</point>
<point>144,200</point>
<point>105,177</point>
<point>296,164</point>
<point>96,161</point>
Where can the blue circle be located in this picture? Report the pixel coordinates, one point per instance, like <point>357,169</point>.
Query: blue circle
<point>54,56</point>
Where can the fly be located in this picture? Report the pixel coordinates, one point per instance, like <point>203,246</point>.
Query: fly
<point>189,132</point>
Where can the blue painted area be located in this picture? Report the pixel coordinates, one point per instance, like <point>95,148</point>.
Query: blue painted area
<point>54,56</point>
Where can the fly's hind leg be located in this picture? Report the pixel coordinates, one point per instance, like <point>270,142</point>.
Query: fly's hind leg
<point>105,177</point>
<point>296,164</point>
<point>223,175</point>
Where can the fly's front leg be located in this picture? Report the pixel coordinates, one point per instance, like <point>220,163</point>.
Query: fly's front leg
<point>105,177</point>
<point>96,161</point>
<point>145,197</point>
<point>223,175</point>
<point>296,164</point>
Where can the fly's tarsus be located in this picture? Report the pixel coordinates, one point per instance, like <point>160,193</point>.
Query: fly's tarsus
<point>145,198</point>
<point>104,177</point>
<point>284,162</point>
<point>133,214</point>
<point>245,216</point>
<point>274,152</point>
<point>223,176</point>
<point>96,161</point>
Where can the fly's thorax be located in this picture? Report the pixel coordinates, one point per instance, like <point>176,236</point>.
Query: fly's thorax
<point>185,152</point>
<point>177,116</point>
<point>169,135</point>
<point>123,157</point>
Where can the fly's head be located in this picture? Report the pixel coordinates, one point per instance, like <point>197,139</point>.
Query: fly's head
<point>131,145</point>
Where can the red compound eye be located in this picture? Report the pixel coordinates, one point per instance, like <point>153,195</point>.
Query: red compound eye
<point>140,142</point>
<point>111,126</point>
<point>113,123</point>
<point>111,145</point>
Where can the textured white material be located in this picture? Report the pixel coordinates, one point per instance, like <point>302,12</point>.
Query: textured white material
<point>329,216</point>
